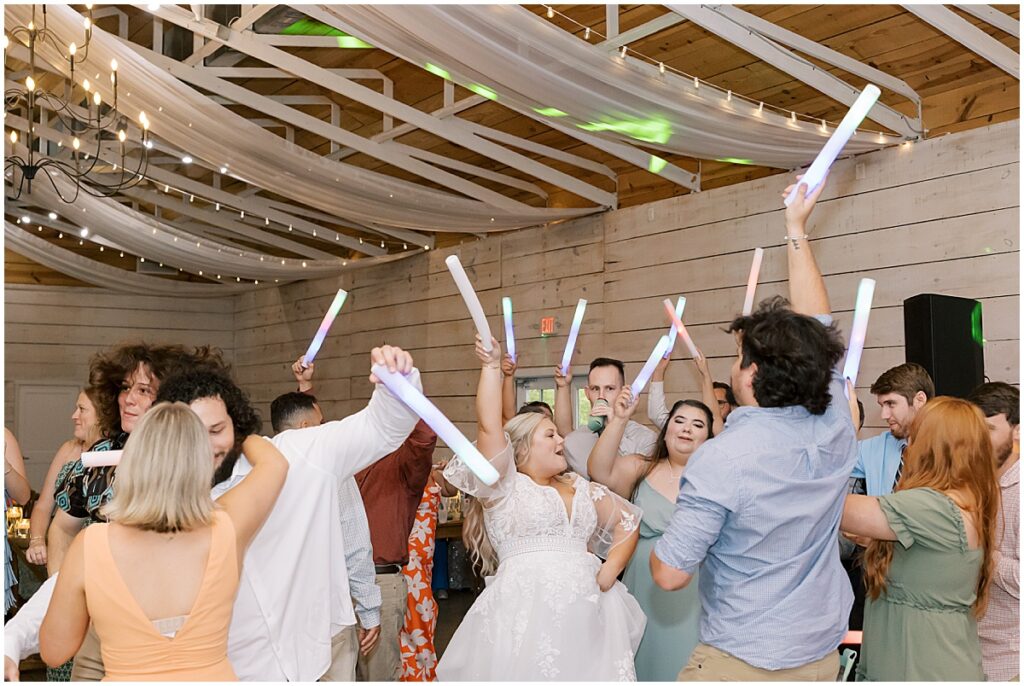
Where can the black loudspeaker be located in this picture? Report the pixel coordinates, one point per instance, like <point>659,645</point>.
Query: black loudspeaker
<point>943,334</point>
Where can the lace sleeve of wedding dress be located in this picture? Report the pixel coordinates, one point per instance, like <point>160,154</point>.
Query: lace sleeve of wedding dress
<point>460,476</point>
<point>617,518</point>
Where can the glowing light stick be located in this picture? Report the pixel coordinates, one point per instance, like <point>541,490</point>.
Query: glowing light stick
<point>101,458</point>
<point>472,302</point>
<point>510,339</point>
<point>574,332</point>
<point>644,376</point>
<point>325,326</point>
<point>672,331</point>
<point>678,323</point>
<point>861,312</point>
<point>755,269</point>
<point>816,173</point>
<point>418,403</point>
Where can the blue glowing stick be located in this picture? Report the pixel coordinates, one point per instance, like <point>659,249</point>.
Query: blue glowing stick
<point>325,326</point>
<point>644,376</point>
<point>861,312</point>
<point>672,331</point>
<point>510,339</point>
<point>847,127</point>
<point>435,419</point>
<point>574,332</point>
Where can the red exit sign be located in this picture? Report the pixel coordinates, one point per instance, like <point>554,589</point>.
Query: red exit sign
<point>547,326</point>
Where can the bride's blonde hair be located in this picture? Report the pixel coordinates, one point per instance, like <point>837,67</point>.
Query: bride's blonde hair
<point>520,430</point>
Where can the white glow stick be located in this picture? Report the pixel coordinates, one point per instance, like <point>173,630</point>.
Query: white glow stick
<point>815,174</point>
<point>510,339</point>
<point>672,331</point>
<point>101,458</point>
<point>325,326</point>
<point>861,312</point>
<point>648,369</point>
<point>755,269</point>
<point>435,419</point>
<point>678,323</point>
<point>472,302</point>
<point>574,332</point>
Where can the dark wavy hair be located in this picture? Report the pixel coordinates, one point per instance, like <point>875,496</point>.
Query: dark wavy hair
<point>998,397</point>
<point>538,406</point>
<point>794,354</point>
<point>189,386</point>
<point>108,371</point>
<point>661,447</point>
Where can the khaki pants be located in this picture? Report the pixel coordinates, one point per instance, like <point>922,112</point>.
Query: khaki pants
<point>344,653</point>
<point>88,661</point>
<point>711,664</point>
<point>385,662</point>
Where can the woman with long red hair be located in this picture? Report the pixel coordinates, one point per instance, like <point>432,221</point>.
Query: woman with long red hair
<point>928,568</point>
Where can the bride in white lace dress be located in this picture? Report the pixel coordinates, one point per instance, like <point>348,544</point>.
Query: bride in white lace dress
<point>552,610</point>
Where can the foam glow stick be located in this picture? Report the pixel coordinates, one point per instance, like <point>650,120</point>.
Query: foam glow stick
<point>672,331</point>
<point>815,174</point>
<point>510,339</point>
<point>472,302</point>
<point>644,376</point>
<point>755,269</point>
<point>861,312</point>
<point>101,458</point>
<point>574,332</point>
<point>442,426</point>
<point>325,326</point>
<point>678,323</point>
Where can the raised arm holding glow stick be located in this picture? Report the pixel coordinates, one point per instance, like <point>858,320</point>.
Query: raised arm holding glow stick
<point>574,332</point>
<point>861,313</point>
<point>672,331</point>
<point>472,301</point>
<point>847,127</point>
<point>660,350</point>
<point>325,326</point>
<point>678,323</point>
<point>755,270</point>
<point>435,419</point>
<point>101,458</point>
<point>510,339</point>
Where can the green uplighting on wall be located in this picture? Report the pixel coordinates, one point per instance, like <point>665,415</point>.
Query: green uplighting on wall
<point>735,160</point>
<point>976,333</point>
<point>652,130</point>
<point>311,27</point>
<point>656,164</point>
<point>482,91</point>
<point>549,112</point>
<point>352,42</point>
<point>437,71</point>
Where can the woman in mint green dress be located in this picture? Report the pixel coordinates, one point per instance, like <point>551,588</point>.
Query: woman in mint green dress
<point>652,483</point>
<point>928,568</point>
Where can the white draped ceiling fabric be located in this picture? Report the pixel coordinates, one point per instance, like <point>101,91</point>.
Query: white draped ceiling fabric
<point>538,69</point>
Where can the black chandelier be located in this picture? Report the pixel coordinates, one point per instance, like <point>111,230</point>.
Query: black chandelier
<point>85,116</point>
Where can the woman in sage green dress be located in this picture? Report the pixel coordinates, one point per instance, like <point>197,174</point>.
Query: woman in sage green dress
<point>928,568</point>
<point>652,483</point>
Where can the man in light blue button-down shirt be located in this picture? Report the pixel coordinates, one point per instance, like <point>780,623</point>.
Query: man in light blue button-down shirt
<point>759,506</point>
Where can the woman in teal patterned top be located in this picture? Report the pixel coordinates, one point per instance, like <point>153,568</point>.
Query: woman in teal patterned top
<point>652,482</point>
<point>929,565</point>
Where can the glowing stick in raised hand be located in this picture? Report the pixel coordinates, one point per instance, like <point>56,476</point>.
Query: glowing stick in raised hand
<point>325,326</point>
<point>755,269</point>
<point>645,374</point>
<point>861,312</point>
<point>815,174</point>
<point>510,339</point>
<point>678,323</point>
<point>101,458</point>
<point>672,331</point>
<point>472,302</point>
<point>574,332</point>
<point>435,419</point>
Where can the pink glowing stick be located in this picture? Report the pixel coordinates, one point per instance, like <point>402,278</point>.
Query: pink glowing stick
<point>755,269</point>
<point>672,331</point>
<point>680,327</point>
<point>101,458</point>
<point>325,326</point>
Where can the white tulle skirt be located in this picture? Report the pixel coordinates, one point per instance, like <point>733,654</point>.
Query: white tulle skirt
<point>542,617</point>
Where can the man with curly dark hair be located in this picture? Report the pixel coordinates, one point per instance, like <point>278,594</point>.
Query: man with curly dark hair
<point>759,507</point>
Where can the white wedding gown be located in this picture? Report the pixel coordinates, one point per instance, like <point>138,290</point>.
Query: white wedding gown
<point>542,616</point>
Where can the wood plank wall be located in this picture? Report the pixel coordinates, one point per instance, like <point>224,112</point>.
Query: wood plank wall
<point>940,216</point>
<point>51,332</point>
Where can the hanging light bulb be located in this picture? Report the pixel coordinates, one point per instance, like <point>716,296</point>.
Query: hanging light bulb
<point>586,34</point>
<point>728,96</point>
<point>760,108</point>
<point>52,216</point>
<point>382,244</point>
<point>551,12</point>
<point>696,82</point>
<point>224,169</point>
<point>186,160</point>
<point>792,117</point>
<point>14,137</point>
<point>216,206</point>
<point>661,68</point>
<point>84,232</point>
<point>241,214</point>
<point>622,52</point>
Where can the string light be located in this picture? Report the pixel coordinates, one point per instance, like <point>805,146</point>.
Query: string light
<point>661,68</point>
<point>551,12</point>
<point>622,52</point>
<point>586,34</point>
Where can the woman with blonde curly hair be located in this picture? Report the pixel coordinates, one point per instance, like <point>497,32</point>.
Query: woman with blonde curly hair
<point>928,568</point>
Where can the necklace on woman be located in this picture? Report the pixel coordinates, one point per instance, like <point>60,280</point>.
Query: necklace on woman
<point>675,477</point>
